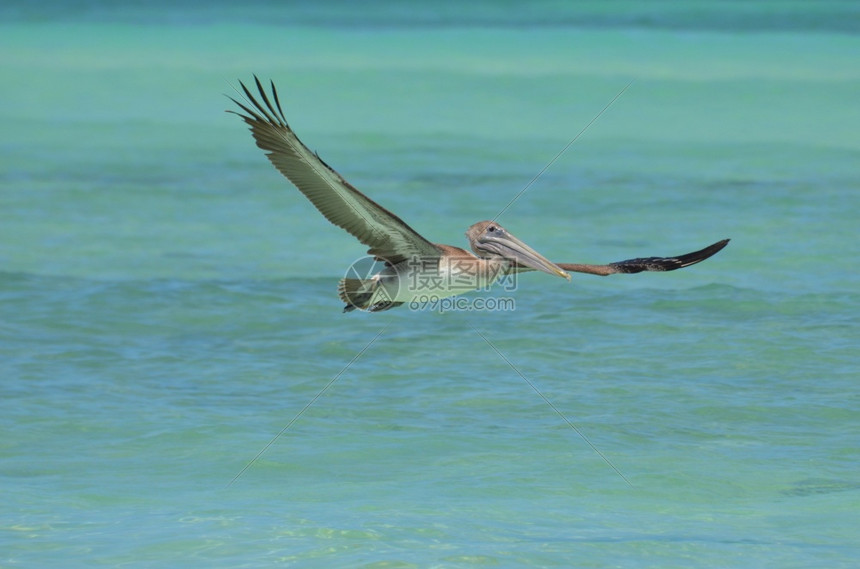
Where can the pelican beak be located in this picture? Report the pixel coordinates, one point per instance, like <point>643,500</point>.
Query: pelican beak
<point>512,248</point>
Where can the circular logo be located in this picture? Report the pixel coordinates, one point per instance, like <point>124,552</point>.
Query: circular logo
<point>364,287</point>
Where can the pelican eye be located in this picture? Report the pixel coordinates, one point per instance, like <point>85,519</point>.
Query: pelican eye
<point>491,228</point>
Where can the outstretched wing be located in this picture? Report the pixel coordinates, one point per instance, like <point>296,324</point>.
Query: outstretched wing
<point>387,235</point>
<point>643,263</point>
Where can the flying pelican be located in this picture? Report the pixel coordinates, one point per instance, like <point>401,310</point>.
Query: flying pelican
<point>413,266</point>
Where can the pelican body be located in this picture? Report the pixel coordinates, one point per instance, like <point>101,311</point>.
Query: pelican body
<point>448,272</point>
<point>414,268</point>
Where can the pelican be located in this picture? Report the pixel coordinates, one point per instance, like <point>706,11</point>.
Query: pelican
<point>412,267</point>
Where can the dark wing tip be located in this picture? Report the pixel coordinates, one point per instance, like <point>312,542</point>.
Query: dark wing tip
<point>262,111</point>
<point>668,263</point>
<point>701,255</point>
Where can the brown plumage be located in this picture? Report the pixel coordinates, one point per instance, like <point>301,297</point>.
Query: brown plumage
<point>390,239</point>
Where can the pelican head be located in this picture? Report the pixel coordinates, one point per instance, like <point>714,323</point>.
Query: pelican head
<point>488,239</point>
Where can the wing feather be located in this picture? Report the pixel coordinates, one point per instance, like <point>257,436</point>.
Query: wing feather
<point>641,264</point>
<point>387,236</point>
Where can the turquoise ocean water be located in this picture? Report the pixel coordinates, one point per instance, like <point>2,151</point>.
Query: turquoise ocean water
<point>168,306</point>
